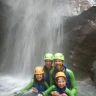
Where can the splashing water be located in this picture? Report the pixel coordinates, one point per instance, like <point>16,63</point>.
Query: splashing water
<point>9,84</point>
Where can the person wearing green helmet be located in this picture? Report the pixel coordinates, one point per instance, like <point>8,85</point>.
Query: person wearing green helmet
<point>48,68</point>
<point>60,66</point>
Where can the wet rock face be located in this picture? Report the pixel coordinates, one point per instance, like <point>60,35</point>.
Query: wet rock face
<point>2,17</point>
<point>4,13</point>
<point>81,37</point>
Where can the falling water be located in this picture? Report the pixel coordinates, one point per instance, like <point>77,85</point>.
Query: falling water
<point>34,28</point>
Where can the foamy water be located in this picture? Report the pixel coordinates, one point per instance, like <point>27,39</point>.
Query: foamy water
<point>9,84</point>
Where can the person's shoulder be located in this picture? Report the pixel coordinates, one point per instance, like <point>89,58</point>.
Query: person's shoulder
<point>65,65</point>
<point>52,68</point>
<point>69,70</point>
<point>44,67</point>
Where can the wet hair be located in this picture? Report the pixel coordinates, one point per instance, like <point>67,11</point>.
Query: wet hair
<point>56,79</point>
<point>42,80</point>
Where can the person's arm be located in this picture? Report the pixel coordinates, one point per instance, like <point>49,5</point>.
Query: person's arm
<point>27,87</point>
<point>49,90</point>
<point>72,81</point>
<point>46,84</point>
<point>51,76</point>
<point>68,92</point>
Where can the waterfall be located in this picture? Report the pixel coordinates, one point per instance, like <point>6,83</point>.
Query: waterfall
<point>35,27</point>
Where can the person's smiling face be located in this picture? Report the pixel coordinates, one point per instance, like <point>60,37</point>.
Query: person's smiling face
<point>39,77</point>
<point>58,63</point>
<point>48,63</point>
<point>61,82</point>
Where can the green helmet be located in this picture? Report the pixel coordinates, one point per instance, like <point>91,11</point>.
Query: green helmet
<point>48,56</point>
<point>59,56</point>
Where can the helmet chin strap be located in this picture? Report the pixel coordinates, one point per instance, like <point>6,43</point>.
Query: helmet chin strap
<point>59,68</point>
<point>62,69</point>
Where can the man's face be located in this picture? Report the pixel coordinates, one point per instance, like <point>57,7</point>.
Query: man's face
<point>58,63</point>
<point>48,63</point>
<point>61,82</point>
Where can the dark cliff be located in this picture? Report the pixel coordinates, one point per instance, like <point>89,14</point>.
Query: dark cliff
<point>81,37</point>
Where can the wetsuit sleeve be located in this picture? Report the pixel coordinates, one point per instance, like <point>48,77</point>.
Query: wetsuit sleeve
<point>29,86</point>
<point>68,92</point>
<point>46,85</point>
<point>72,81</point>
<point>50,77</point>
<point>49,90</point>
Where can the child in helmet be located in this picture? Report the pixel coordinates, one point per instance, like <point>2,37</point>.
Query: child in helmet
<point>48,68</point>
<point>59,89</point>
<point>37,84</point>
<point>59,66</point>
<point>60,80</point>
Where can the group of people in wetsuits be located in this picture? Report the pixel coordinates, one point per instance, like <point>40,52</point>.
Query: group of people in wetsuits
<point>52,80</point>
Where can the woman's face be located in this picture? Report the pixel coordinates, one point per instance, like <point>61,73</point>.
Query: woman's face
<point>61,82</point>
<point>39,77</point>
<point>58,63</point>
<point>48,63</point>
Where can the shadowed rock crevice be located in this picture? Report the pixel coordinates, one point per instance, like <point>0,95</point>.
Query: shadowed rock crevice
<point>81,37</point>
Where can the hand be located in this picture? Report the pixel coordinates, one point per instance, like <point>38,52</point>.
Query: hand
<point>34,89</point>
<point>55,93</point>
<point>39,95</point>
